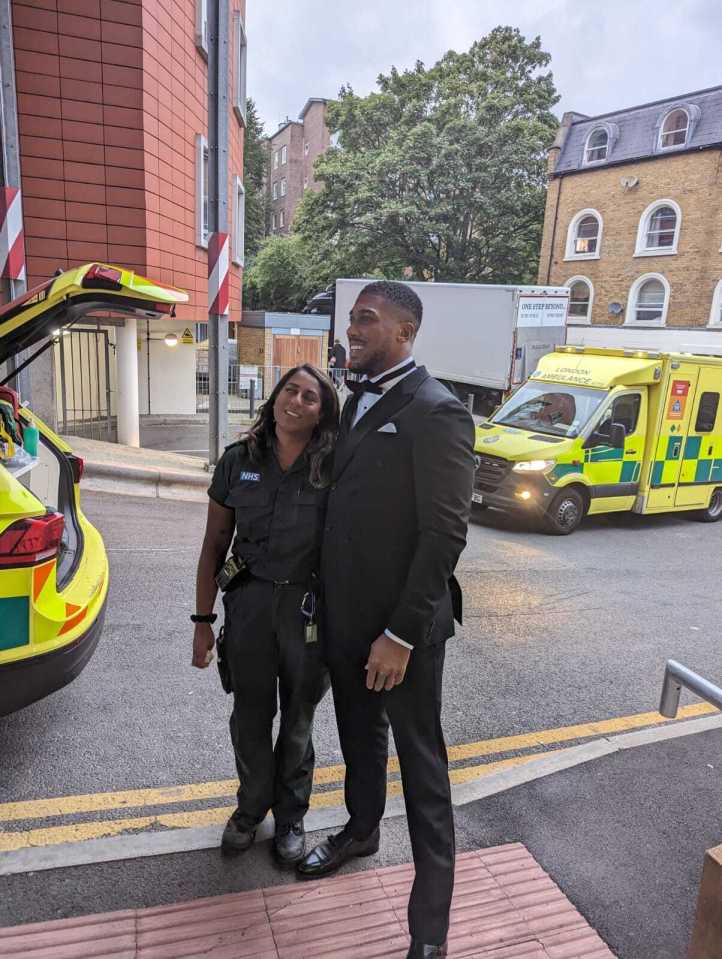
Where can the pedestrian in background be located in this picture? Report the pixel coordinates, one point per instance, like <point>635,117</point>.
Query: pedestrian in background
<point>270,488</point>
<point>337,362</point>
<point>396,524</point>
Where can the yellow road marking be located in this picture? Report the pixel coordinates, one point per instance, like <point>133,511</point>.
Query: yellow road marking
<point>134,798</point>
<point>81,832</point>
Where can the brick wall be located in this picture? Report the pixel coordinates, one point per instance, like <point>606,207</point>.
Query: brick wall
<point>693,180</point>
<point>315,133</point>
<point>111,94</point>
<point>291,136</point>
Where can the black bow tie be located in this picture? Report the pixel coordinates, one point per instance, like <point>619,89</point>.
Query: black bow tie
<point>359,387</point>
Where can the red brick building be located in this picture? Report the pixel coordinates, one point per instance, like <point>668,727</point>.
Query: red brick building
<point>112,104</point>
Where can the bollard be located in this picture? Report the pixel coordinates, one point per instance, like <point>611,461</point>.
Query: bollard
<point>707,931</point>
<point>252,398</point>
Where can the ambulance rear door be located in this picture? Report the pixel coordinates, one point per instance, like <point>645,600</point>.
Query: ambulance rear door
<point>702,456</point>
<point>676,415</point>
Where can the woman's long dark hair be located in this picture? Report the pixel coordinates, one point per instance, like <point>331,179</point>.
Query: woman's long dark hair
<point>259,438</point>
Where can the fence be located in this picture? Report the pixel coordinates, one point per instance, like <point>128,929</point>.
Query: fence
<point>85,383</point>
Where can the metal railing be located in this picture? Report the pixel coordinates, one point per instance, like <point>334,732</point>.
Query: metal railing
<point>675,677</point>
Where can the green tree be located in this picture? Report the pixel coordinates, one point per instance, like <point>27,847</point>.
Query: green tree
<point>441,173</point>
<point>254,165</point>
<point>278,279</point>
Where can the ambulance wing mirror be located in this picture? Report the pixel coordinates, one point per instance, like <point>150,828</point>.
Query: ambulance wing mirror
<point>611,434</point>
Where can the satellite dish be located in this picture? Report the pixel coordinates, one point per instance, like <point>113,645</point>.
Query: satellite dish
<point>629,182</point>
<point>616,309</point>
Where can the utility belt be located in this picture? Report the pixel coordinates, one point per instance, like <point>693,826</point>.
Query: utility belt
<point>235,571</point>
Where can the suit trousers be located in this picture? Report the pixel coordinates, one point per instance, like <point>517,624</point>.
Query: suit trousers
<point>271,663</point>
<point>413,709</point>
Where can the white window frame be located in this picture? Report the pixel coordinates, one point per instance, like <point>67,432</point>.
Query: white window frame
<point>284,154</point>
<point>674,146</point>
<point>715,313</point>
<point>569,284</point>
<point>306,148</point>
<point>275,159</point>
<point>240,48</point>
<point>275,189</point>
<point>202,27</point>
<point>305,183</point>
<point>273,223</point>
<point>239,222</point>
<point>202,199</point>
<point>282,219</point>
<point>284,187</point>
<point>587,148</point>
<point>570,253</point>
<point>641,248</point>
<point>630,314</point>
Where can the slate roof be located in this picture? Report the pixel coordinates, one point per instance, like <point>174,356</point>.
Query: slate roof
<point>634,132</point>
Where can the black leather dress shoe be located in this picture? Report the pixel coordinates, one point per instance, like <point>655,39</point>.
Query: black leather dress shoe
<point>236,837</point>
<point>334,851</point>
<point>421,950</point>
<point>289,844</point>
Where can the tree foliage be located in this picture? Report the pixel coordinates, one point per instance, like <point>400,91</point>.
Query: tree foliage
<point>278,278</point>
<point>441,173</point>
<point>254,164</point>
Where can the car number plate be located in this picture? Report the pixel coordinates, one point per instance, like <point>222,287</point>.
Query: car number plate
<point>477,498</point>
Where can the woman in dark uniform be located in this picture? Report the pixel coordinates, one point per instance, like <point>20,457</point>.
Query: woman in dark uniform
<point>271,489</point>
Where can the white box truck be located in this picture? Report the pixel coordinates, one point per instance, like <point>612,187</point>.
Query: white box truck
<point>478,339</point>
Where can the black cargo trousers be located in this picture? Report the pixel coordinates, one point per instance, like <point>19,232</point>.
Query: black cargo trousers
<point>271,664</point>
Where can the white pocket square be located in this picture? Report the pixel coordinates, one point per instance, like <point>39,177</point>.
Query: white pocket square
<point>387,428</point>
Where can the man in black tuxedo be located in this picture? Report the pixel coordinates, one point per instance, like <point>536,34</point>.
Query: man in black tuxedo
<point>397,516</point>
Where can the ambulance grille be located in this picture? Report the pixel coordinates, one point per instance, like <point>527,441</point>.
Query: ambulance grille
<point>490,471</point>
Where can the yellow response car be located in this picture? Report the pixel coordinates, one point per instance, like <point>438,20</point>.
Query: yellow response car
<point>53,564</point>
<point>606,431</point>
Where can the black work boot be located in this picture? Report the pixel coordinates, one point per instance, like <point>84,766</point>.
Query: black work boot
<point>236,837</point>
<point>289,844</point>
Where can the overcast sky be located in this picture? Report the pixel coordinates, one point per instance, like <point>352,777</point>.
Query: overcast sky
<point>606,54</point>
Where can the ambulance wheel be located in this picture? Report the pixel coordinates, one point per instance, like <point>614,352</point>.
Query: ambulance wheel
<point>713,511</point>
<point>565,513</point>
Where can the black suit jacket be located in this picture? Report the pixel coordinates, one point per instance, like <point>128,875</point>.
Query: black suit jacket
<point>398,511</point>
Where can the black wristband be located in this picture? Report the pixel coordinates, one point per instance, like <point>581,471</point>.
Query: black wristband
<point>204,617</point>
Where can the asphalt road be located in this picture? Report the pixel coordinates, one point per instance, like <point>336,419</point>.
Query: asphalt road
<point>557,631</point>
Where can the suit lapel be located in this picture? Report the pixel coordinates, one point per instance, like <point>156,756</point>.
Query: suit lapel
<point>388,406</point>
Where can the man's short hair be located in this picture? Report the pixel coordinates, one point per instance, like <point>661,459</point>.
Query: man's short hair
<point>399,294</point>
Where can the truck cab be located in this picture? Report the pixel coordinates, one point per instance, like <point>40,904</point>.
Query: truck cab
<point>600,431</point>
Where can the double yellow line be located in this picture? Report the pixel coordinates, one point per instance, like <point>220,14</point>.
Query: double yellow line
<point>328,775</point>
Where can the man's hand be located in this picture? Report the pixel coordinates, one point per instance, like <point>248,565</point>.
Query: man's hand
<point>386,666</point>
<point>203,643</point>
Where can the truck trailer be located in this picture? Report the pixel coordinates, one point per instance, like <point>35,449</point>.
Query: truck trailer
<point>480,340</point>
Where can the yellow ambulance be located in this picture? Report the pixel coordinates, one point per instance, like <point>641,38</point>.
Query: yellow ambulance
<point>605,431</point>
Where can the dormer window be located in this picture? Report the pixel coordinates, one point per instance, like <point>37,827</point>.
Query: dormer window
<point>674,131</point>
<point>597,146</point>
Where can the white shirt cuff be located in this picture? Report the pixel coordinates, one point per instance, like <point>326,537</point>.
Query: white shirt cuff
<point>397,640</point>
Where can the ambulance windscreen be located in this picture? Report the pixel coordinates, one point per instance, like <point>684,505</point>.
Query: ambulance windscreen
<point>550,408</point>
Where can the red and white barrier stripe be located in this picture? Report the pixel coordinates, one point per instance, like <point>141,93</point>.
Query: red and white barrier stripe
<point>218,264</point>
<point>12,238</point>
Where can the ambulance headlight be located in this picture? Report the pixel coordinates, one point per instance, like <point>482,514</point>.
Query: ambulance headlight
<point>533,466</point>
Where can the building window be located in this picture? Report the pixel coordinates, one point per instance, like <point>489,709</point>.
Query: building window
<point>202,27</point>
<point>648,301</point>
<point>305,183</point>
<point>282,219</point>
<point>240,47</point>
<point>202,211</point>
<point>284,154</point>
<point>584,236</point>
<point>306,148</point>
<point>239,221</point>
<point>658,232</point>
<point>597,146</point>
<point>273,223</point>
<point>275,190</point>
<point>283,187</point>
<point>674,130</point>
<point>275,160</point>
<point>581,297</point>
<point>715,315</point>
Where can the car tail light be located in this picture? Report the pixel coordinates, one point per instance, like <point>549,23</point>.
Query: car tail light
<point>31,541</point>
<point>102,278</point>
<point>77,465</point>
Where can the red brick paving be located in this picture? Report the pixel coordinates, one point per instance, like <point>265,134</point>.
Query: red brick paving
<point>505,907</point>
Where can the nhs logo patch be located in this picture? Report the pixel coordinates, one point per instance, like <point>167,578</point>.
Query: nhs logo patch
<point>250,477</point>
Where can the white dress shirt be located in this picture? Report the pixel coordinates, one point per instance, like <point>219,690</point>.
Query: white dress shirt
<point>365,403</point>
